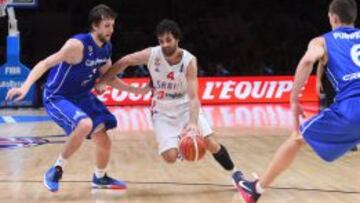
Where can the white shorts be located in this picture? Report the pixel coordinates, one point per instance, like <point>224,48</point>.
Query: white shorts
<point>167,128</point>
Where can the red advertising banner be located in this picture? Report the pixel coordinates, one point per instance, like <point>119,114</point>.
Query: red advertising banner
<point>224,90</point>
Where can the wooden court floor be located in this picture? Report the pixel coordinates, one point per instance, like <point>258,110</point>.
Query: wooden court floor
<point>250,140</point>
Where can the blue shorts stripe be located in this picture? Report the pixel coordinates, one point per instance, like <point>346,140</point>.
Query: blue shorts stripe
<point>69,121</point>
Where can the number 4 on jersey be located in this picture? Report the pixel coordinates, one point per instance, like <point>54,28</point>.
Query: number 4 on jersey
<point>170,76</point>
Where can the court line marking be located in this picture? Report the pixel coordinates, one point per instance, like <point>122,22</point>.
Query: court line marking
<point>193,184</point>
<point>8,119</point>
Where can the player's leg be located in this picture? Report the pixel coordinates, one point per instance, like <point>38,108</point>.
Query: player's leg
<point>102,144</point>
<point>167,130</point>
<point>284,156</point>
<point>170,156</point>
<point>82,129</point>
<point>76,124</point>
<point>282,159</point>
<point>103,120</point>
<point>219,151</point>
<point>330,134</point>
<point>102,156</point>
<point>54,174</point>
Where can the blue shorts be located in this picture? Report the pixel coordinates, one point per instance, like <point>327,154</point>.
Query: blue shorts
<point>335,130</point>
<point>68,111</point>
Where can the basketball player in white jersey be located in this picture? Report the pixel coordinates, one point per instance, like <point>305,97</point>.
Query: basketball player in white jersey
<point>175,104</point>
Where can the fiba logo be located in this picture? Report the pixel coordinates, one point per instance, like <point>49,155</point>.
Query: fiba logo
<point>12,70</point>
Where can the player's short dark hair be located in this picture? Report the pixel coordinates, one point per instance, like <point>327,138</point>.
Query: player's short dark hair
<point>345,9</point>
<point>99,13</point>
<point>168,26</point>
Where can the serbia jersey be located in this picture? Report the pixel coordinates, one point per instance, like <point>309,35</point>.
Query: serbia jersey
<point>169,81</point>
<point>170,108</point>
<point>343,68</point>
<point>74,79</point>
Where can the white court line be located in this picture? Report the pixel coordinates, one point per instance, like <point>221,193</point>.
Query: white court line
<point>8,119</point>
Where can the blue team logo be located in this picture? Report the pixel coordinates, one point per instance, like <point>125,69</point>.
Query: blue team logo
<point>25,142</point>
<point>90,50</point>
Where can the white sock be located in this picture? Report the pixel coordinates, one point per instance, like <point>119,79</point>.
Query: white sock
<point>60,162</point>
<point>258,188</point>
<point>234,170</point>
<point>99,173</point>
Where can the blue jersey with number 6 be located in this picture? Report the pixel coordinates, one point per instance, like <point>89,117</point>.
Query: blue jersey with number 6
<point>343,68</point>
<point>335,130</point>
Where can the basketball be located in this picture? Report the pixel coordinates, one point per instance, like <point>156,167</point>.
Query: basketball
<point>192,146</point>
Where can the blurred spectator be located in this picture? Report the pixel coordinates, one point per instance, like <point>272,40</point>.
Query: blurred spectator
<point>220,70</point>
<point>229,37</point>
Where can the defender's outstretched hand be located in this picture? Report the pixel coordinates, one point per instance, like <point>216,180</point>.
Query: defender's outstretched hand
<point>16,94</point>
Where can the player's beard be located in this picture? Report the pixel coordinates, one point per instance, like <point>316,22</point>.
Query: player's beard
<point>169,51</point>
<point>102,38</point>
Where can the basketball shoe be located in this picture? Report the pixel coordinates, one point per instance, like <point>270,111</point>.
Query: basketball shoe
<point>107,182</point>
<point>246,188</point>
<point>237,176</point>
<point>52,178</point>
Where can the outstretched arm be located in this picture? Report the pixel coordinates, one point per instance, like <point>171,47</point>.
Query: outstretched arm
<point>134,59</point>
<point>117,83</point>
<point>71,53</point>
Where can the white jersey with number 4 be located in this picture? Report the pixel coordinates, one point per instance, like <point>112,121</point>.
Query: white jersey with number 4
<point>169,81</point>
<point>170,102</point>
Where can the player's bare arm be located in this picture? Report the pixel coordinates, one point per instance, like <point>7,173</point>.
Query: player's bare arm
<point>192,89</point>
<point>71,53</point>
<point>319,75</point>
<point>313,54</point>
<point>137,58</point>
<point>134,59</point>
<point>117,83</point>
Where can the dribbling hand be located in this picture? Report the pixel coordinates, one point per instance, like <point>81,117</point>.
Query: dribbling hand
<point>188,128</point>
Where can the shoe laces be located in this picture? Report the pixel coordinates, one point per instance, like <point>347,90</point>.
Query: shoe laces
<point>106,179</point>
<point>57,173</point>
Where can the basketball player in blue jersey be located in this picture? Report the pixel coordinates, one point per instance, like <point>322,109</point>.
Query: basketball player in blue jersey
<point>68,100</point>
<point>175,102</point>
<point>335,130</point>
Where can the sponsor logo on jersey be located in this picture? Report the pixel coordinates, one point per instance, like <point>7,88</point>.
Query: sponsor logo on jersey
<point>96,62</point>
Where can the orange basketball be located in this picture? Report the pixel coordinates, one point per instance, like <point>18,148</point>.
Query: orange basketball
<point>192,146</point>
